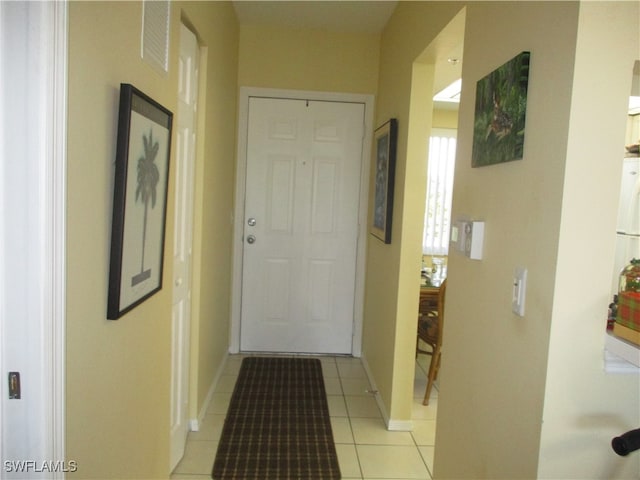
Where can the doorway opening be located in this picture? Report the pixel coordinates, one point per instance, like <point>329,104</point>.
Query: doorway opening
<point>439,66</point>
<point>622,339</point>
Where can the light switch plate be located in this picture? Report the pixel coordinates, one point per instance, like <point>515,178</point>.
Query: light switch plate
<point>519,290</point>
<point>468,238</point>
<point>474,240</point>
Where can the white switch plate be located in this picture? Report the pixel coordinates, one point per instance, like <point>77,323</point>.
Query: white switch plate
<point>474,240</point>
<point>519,289</point>
<point>468,238</point>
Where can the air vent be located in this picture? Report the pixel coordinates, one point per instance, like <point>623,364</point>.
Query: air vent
<point>155,34</point>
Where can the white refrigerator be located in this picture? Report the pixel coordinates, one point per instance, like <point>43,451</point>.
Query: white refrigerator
<point>628,225</point>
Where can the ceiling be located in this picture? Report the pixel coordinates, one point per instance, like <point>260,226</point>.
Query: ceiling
<point>360,16</point>
<point>345,16</point>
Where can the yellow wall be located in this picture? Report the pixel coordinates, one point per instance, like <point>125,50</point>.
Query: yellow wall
<point>495,363</point>
<point>584,407</point>
<point>501,377</point>
<point>496,385</point>
<point>315,60</point>
<point>118,372</point>
<point>445,119</point>
<point>393,270</point>
<point>218,35</point>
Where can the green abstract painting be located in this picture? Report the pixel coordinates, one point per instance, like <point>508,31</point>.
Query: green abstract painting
<point>501,105</point>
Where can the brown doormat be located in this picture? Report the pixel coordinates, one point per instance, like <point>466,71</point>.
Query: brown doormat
<point>277,425</point>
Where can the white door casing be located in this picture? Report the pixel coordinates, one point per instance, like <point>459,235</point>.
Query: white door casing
<point>304,170</point>
<point>183,240</point>
<point>33,119</point>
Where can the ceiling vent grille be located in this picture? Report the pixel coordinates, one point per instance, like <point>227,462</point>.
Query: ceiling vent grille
<point>155,34</point>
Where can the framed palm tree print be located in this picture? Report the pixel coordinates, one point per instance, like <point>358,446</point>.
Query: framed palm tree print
<point>139,201</point>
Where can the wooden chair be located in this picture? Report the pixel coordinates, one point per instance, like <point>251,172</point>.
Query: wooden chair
<point>430,326</point>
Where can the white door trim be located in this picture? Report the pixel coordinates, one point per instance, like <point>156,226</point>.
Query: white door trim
<point>57,207</point>
<point>241,171</point>
<point>184,198</point>
<point>44,27</point>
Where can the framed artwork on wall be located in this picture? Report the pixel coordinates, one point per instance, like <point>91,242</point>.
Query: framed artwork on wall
<point>500,111</point>
<point>386,139</point>
<point>139,201</point>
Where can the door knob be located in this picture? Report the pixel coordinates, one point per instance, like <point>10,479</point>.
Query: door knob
<point>252,222</point>
<point>251,239</point>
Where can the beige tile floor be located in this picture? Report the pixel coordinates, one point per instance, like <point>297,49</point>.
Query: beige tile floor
<point>366,449</point>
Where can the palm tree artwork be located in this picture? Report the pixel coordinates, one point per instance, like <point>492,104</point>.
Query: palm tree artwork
<point>146,191</point>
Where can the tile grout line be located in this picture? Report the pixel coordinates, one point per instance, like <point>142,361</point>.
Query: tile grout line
<point>355,445</point>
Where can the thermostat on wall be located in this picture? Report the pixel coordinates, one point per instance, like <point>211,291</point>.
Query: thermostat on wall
<point>468,237</point>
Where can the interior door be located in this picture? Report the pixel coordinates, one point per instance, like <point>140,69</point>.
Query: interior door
<point>183,234</point>
<point>301,225</point>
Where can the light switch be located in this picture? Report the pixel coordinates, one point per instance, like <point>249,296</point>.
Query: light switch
<point>519,289</point>
<point>474,240</point>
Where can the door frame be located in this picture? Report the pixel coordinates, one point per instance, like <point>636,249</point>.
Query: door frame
<point>241,171</point>
<point>44,27</point>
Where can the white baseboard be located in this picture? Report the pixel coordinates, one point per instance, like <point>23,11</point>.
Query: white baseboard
<point>400,425</point>
<point>194,423</point>
<point>392,425</point>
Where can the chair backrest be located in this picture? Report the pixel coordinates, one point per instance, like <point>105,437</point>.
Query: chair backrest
<point>441,294</point>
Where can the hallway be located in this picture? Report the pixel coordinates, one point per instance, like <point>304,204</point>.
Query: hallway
<point>366,450</point>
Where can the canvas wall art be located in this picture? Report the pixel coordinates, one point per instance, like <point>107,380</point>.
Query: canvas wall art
<point>386,138</point>
<point>500,112</point>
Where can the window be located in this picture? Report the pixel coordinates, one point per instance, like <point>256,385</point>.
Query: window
<point>437,221</point>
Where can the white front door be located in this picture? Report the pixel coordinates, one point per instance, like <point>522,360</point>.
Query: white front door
<point>301,225</point>
<point>183,234</point>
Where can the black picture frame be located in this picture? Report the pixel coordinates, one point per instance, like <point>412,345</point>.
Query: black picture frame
<point>500,113</point>
<point>139,201</point>
<point>386,139</point>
